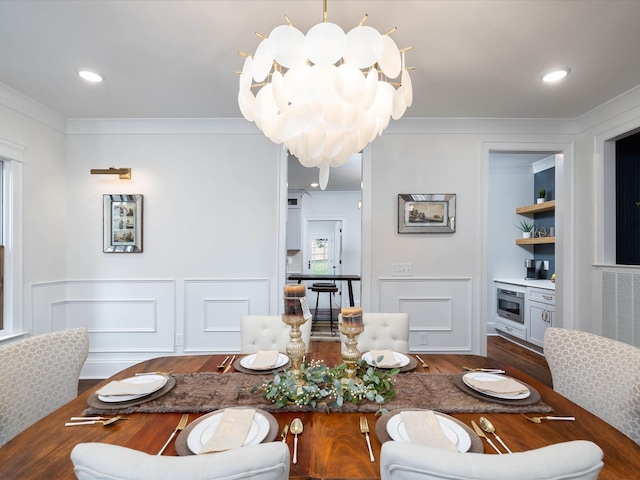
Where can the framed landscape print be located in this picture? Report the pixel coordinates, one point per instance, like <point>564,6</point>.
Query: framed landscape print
<point>122,223</point>
<point>426,213</point>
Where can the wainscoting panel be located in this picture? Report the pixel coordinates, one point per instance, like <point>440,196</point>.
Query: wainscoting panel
<point>128,320</point>
<point>213,309</point>
<point>621,306</point>
<point>439,311</point>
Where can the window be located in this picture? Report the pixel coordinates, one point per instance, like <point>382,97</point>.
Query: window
<point>627,182</point>
<point>320,256</point>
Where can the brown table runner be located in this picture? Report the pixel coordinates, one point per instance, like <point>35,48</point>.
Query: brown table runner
<point>206,392</point>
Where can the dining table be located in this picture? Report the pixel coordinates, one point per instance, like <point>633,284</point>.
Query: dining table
<point>331,445</point>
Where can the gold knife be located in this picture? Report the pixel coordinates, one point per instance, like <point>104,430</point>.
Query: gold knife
<point>481,434</point>
<point>284,433</point>
<point>228,367</point>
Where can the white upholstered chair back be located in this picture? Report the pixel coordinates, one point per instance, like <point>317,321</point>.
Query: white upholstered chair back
<point>383,331</point>
<point>268,332</point>
<point>38,375</point>
<point>575,460</point>
<point>102,461</point>
<point>599,374</point>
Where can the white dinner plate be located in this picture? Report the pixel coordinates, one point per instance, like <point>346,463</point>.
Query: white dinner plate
<point>204,430</point>
<point>403,359</point>
<point>137,379</point>
<point>247,362</point>
<point>493,377</point>
<point>454,432</point>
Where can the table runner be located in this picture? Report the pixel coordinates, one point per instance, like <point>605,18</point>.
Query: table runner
<point>206,392</point>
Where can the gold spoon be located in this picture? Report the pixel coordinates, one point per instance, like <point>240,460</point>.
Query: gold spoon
<point>539,419</point>
<point>296,429</point>
<point>488,427</point>
<point>424,364</point>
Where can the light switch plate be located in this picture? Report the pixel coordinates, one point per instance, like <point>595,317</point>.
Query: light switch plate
<point>401,269</point>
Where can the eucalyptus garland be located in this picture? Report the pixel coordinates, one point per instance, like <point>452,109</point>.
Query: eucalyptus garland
<point>323,386</point>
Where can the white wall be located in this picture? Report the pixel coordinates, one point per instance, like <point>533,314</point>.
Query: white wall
<point>212,217</point>
<point>43,192</point>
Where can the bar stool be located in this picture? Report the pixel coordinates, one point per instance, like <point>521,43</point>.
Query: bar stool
<point>319,288</point>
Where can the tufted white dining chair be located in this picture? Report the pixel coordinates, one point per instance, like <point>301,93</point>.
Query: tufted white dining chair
<point>574,460</point>
<point>102,461</point>
<point>383,331</point>
<point>599,374</point>
<point>38,375</point>
<point>268,332</point>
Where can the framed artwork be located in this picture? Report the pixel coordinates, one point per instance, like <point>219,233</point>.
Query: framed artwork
<point>122,216</point>
<point>426,213</point>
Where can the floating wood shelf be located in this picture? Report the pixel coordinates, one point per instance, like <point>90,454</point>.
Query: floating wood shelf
<point>537,208</point>
<point>535,241</point>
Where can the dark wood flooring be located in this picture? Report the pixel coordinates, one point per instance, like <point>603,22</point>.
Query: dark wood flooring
<point>498,348</point>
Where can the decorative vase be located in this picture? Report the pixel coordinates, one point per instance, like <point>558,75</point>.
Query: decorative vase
<point>351,326</point>
<point>540,200</point>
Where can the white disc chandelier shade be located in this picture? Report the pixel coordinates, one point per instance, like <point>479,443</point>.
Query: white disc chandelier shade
<point>325,95</point>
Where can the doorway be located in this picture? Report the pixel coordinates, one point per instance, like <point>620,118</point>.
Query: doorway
<point>333,217</point>
<point>561,156</point>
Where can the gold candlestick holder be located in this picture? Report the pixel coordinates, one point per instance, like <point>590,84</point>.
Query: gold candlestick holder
<point>350,352</point>
<point>296,348</point>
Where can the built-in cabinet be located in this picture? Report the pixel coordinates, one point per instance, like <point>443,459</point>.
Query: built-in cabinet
<point>294,220</point>
<point>538,312</point>
<point>532,210</point>
<point>540,307</point>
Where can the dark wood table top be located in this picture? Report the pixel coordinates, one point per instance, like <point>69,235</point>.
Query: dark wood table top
<point>310,276</point>
<point>331,445</point>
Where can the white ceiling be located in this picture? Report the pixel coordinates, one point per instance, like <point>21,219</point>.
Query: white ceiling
<point>177,59</point>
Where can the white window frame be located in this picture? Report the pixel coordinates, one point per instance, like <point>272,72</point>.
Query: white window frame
<point>12,156</point>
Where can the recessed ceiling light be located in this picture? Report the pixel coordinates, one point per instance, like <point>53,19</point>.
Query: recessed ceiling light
<point>314,185</point>
<point>555,75</point>
<point>90,75</point>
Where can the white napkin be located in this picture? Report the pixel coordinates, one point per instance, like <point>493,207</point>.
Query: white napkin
<point>231,431</point>
<point>118,387</point>
<point>423,428</point>
<point>265,359</point>
<point>505,386</point>
<point>388,359</point>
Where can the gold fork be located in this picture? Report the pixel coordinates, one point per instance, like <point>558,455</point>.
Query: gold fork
<point>181,424</point>
<point>364,428</point>
<point>539,419</point>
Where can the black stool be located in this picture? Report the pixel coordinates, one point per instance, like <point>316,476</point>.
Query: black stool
<point>319,288</point>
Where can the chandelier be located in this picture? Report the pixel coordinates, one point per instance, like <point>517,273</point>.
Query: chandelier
<point>326,95</point>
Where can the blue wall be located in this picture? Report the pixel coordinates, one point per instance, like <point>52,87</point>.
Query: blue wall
<point>545,179</point>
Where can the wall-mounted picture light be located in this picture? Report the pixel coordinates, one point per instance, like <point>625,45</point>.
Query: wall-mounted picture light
<point>124,173</point>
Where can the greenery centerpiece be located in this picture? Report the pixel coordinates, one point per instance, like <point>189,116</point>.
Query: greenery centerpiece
<point>323,386</point>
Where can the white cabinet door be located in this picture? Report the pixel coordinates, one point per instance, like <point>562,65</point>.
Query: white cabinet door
<point>540,318</point>
<point>294,229</point>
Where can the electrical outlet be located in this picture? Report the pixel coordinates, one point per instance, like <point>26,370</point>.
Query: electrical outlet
<point>423,338</point>
<point>178,339</point>
<point>401,269</point>
<point>545,265</point>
